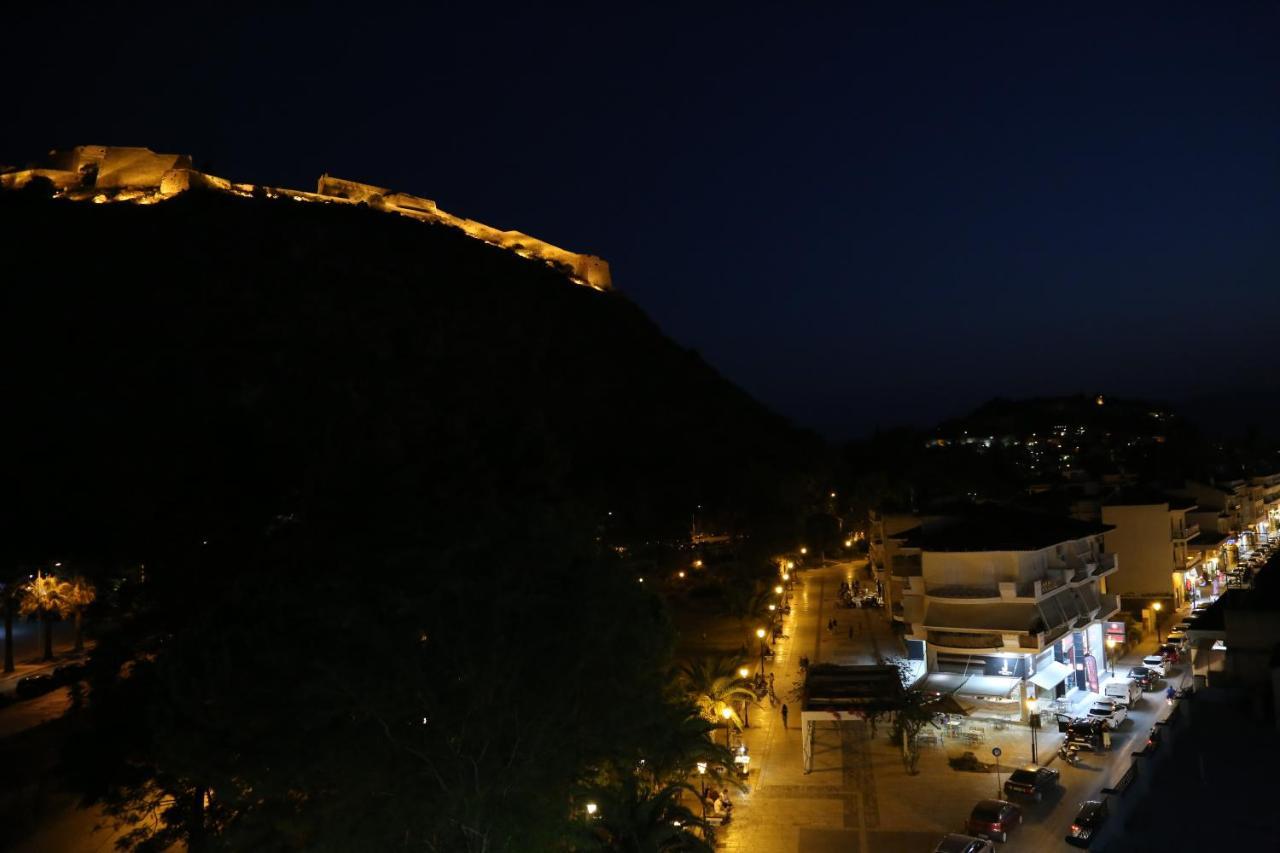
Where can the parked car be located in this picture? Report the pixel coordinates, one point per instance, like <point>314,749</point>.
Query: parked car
<point>1088,734</point>
<point>957,843</point>
<point>1172,652</point>
<point>1181,628</point>
<point>1090,818</point>
<point>1177,637</point>
<point>35,685</point>
<point>993,819</point>
<point>1155,663</point>
<point>1144,677</point>
<point>1031,781</point>
<point>1112,714</point>
<point>69,673</point>
<point>1123,691</point>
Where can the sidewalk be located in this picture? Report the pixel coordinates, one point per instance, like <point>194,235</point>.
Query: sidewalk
<point>859,797</point>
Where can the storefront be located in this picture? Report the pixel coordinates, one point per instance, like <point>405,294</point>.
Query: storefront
<point>1083,652</point>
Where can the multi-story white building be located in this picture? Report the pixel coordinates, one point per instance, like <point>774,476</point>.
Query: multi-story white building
<point>1150,540</point>
<point>1015,600</point>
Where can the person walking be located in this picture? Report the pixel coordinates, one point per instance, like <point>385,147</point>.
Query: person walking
<point>784,715</point>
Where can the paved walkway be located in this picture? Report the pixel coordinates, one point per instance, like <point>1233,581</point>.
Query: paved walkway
<point>859,798</point>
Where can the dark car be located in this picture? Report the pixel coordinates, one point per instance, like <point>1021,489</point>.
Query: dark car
<point>1145,677</point>
<point>957,843</point>
<point>993,819</point>
<point>1031,781</point>
<point>1089,734</point>
<point>35,685</point>
<point>1090,818</point>
<point>69,673</point>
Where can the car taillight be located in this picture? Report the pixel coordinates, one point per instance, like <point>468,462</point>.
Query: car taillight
<point>1075,829</point>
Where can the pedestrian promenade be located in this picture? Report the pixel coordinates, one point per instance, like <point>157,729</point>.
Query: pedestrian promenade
<point>859,797</point>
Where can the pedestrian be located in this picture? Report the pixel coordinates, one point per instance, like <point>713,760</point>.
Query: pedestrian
<point>784,715</point>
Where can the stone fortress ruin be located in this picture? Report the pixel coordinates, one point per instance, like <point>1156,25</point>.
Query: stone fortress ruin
<point>104,174</point>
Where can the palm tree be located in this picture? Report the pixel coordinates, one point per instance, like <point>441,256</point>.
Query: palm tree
<point>78,594</point>
<point>679,744</point>
<point>636,818</point>
<point>713,683</point>
<point>44,596</point>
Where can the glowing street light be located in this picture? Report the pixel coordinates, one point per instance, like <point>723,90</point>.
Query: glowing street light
<point>1156,606</point>
<point>791,564</point>
<point>786,576</point>
<point>760,634</point>
<point>727,713</point>
<point>702,775</point>
<point>592,808</point>
<point>778,589</point>
<point>804,550</point>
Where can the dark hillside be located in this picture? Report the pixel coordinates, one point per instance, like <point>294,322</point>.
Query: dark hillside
<point>367,463</point>
<point>334,360</point>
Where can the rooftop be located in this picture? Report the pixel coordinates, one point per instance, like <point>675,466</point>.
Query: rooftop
<point>1137,496</point>
<point>987,527</point>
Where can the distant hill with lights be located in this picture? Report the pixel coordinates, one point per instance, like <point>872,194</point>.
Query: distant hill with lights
<point>215,358</point>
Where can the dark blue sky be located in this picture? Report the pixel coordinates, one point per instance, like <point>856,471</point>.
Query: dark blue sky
<point>863,217</point>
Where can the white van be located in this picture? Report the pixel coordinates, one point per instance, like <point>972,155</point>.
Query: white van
<point>1125,692</point>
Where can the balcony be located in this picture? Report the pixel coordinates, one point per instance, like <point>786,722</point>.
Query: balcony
<point>991,592</point>
<point>1186,531</point>
<point>1110,604</point>
<point>907,566</point>
<point>967,642</point>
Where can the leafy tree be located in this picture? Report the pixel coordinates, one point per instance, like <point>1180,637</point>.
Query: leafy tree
<point>45,596</point>
<point>912,714</point>
<point>77,594</point>
<point>749,604</point>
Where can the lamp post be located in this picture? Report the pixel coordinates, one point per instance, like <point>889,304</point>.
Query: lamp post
<point>1156,606</point>
<point>1033,720</point>
<point>702,776</point>
<point>727,713</point>
<point>1111,657</point>
<point>743,672</point>
<point>760,632</point>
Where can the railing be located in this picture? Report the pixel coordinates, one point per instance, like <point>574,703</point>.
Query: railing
<point>966,641</point>
<point>962,591</point>
<point>905,566</point>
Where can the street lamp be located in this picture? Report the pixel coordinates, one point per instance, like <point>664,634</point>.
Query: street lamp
<point>1033,720</point>
<point>702,775</point>
<point>778,589</point>
<point>760,632</point>
<point>592,808</point>
<point>1156,606</point>
<point>803,550</point>
<point>1111,656</point>
<point>743,672</point>
<point>727,713</point>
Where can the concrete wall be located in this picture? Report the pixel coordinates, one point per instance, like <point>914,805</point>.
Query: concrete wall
<point>1143,542</point>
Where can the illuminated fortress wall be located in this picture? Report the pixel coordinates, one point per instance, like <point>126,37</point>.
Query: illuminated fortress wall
<point>110,174</point>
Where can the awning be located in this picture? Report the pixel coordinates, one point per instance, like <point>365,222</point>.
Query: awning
<point>1050,675</point>
<point>989,686</point>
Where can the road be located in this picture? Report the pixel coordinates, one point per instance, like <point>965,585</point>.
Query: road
<point>859,797</point>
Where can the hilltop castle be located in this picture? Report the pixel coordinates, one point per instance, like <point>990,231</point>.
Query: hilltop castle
<point>104,174</point>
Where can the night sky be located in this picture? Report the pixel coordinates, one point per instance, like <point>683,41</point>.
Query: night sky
<point>862,217</point>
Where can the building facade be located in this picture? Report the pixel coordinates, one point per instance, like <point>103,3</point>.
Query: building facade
<point>1150,539</point>
<point>1015,601</point>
